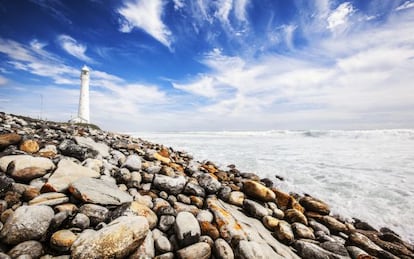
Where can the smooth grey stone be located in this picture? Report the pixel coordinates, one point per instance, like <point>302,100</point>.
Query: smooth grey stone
<point>255,209</point>
<point>80,221</point>
<point>209,183</point>
<point>187,229</point>
<point>95,213</point>
<point>196,251</point>
<point>172,185</point>
<point>31,248</point>
<point>166,222</point>
<point>205,215</point>
<point>27,223</point>
<point>222,249</point>
<point>163,245</point>
<point>99,192</point>
<point>133,163</point>
<point>194,189</point>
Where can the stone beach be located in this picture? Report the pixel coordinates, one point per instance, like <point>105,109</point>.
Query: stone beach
<point>73,191</point>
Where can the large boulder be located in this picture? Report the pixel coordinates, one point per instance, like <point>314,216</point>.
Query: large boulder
<point>9,139</point>
<point>137,209</point>
<point>316,205</point>
<point>173,185</point>
<point>116,240</point>
<point>66,173</point>
<point>200,250</point>
<point>27,223</point>
<point>101,148</point>
<point>258,191</point>
<point>98,191</point>
<point>187,229</point>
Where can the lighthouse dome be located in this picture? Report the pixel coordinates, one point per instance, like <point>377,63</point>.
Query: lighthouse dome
<point>85,68</point>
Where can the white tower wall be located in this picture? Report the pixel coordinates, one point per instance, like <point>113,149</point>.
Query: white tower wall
<point>83,112</point>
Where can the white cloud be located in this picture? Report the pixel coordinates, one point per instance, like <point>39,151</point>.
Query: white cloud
<point>339,16</point>
<point>71,46</point>
<point>224,8</point>
<point>178,4</point>
<point>203,86</point>
<point>145,15</point>
<point>240,9</point>
<point>37,45</point>
<point>405,5</point>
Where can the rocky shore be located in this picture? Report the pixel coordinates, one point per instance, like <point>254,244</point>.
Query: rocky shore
<point>73,191</point>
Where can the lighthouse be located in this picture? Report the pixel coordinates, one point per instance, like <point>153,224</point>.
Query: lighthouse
<point>83,111</point>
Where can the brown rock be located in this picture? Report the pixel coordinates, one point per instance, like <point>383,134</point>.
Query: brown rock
<point>29,146</point>
<point>50,199</point>
<point>197,251</point>
<point>293,215</point>
<point>197,201</point>
<point>333,224</point>
<point>258,191</point>
<point>236,198</point>
<point>66,207</point>
<point>284,233</point>
<point>62,240</point>
<point>209,229</point>
<point>270,222</point>
<point>28,173</point>
<point>316,205</point>
<point>366,244</point>
<point>164,152</point>
<point>136,209</point>
<point>161,158</point>
<point>9,139</point>
<point>302,231</point>
<point>283,200</point>
<point>296,205</point>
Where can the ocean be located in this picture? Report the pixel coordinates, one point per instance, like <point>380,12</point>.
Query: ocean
<point>366,174</point>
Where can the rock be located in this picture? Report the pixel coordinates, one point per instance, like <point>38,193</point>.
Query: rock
<point>135,180</point>
<point>163,245</point>
<point>187,229</point>
<point>69,148</point>
<point>333,224</point>
<point>66,173</point>
<point>366,244</point>
<point>80,221</point>
<point>95,213</point>
<point>116,240</point>
<point>51,199</point>
<point>9,139</point>
<point>62,240</point>
<point>209,183</point>
<point>197,201</point>
<point>165,256</point>
<point>270,222</point>
<point>94,164</point>
<point>251,249</point>
<point>316,205</point>
<point>224,192</point>
<point>236,198</point>
<point>283,200</point>
<point>166,222</point>
<point>312,251</point>
<point>335,247</point>
<point>6,184</point>
<point>27,223</point>
<point>293,215</point>
<point>137,209</point>
<point>284,233</point>
<point>205,215</point>
<point>100,148</point>
<point>319,227</point>
<point>32,248</point>
<point>255,209</point>
<point>258,191</point>
<point>49,151</point>
<point>26,168</point>
<point>356,252</point>
<point>133,163</point>
<point>98,191</point>
<point>179,207</point>
<point>183,198</point>
<point>222,249</point>
<point>196,251</point>
<point>209,229</point>
<point>169,184</point>
<point>194,189</point>
<point>302,231</point>
<point>161,158</point>
<point>70,207</point>
<point>29,146</point>
<point>146,250</point>
<point>234,225</point>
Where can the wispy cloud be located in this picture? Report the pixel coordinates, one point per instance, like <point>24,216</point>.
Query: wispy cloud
<point>339,16</point>
<point>72,47</point>
<point>3,80</point>
<point>54,8</point>
<point>405,5</point>
<point>145,15</point>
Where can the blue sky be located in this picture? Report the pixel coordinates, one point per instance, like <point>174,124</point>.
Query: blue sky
<point>177,65</point>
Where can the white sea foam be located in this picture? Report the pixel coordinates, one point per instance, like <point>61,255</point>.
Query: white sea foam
<point>367,174</point>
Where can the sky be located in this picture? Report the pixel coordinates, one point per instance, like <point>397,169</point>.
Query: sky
<point>204,65</point>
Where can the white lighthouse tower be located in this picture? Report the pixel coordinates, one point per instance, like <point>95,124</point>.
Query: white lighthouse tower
<point>83,112</point>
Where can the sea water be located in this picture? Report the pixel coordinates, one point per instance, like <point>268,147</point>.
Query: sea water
<point>368,174</point>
